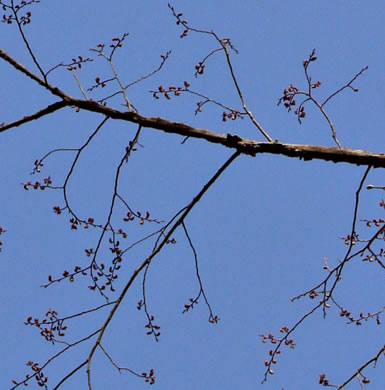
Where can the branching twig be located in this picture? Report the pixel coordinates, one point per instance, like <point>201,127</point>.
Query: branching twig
<point>312,293</point>
<point>225,44</point>
<point>368,363</point>
<point>20,24</point>
<point>50,360</point>
<point>212,318</point>
<point>289,95</point>
<point>152,256</point>
<point>348,85</point>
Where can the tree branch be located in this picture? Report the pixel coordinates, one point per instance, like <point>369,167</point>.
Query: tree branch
<point>45,111</point>
<point>149,259</point>
<point>243,146</point>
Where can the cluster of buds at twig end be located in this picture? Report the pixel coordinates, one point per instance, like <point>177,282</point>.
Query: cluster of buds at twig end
<point>288,98</point>
<point>150,377</point>
<point>2,231</point>
<point>176,91</point>
<point>312,58</point>
<point>200,68</point>
<point>231,115</point>
<point>180,21</point>
<point>37,185</point>
<point>153,329</point>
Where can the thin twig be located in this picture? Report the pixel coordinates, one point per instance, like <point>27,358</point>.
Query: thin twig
<point>327,294</point>
<point>348,85</point>
<point>15,11</point>
<point>369,362</point>
<point>212,318</point>
<point>79,84</point>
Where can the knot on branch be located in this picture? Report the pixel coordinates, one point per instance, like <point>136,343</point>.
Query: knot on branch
<point>232,140</point>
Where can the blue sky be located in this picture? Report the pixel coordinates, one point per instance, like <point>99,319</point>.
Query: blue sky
<point>261,232</point>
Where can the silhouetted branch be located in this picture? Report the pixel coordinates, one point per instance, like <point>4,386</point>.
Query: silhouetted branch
<point>327,293</point>
<point>374,360</point>
<point>193,301</point>
<point>244,146</point>
<point>45,111</point>
<point>149,259</point>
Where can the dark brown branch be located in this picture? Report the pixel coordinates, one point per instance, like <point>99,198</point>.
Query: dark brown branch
<point>5,56</point>
<point>45,111</point>
<point>70,374</point>
<point>244,146</point>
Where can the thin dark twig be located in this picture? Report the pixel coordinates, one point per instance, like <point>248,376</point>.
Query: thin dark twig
<point>240,94</point>
<point>71,66</point>
<point>206,58</point>
<point>311,86</point>
<point>70,374</point>
<point>212,318</point>
<point>112,206</point>
<point>353,232</point>
<point>141,240</point>
<point>358,320</point>
<point>180,90</point>
<point>81,149</point>
<point>358,372</point>
<point>153,329</point>
<point>142,78</point>
<point>378,261</point>
<point>76,219</point>
<point>348,85</point>
<point>39,163</point>
<point>52,358</point>
<point>165,227</point>
<point>80,313</point>
<point>131,211</point>
<point>120,369</point>
<point>15,12</point>
<point>338,269</point>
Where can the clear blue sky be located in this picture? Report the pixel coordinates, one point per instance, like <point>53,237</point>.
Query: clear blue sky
<point>261,233</point>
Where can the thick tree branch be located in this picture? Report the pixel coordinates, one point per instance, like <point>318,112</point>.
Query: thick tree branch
<point>244,146</point>
<point>6,57</point>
